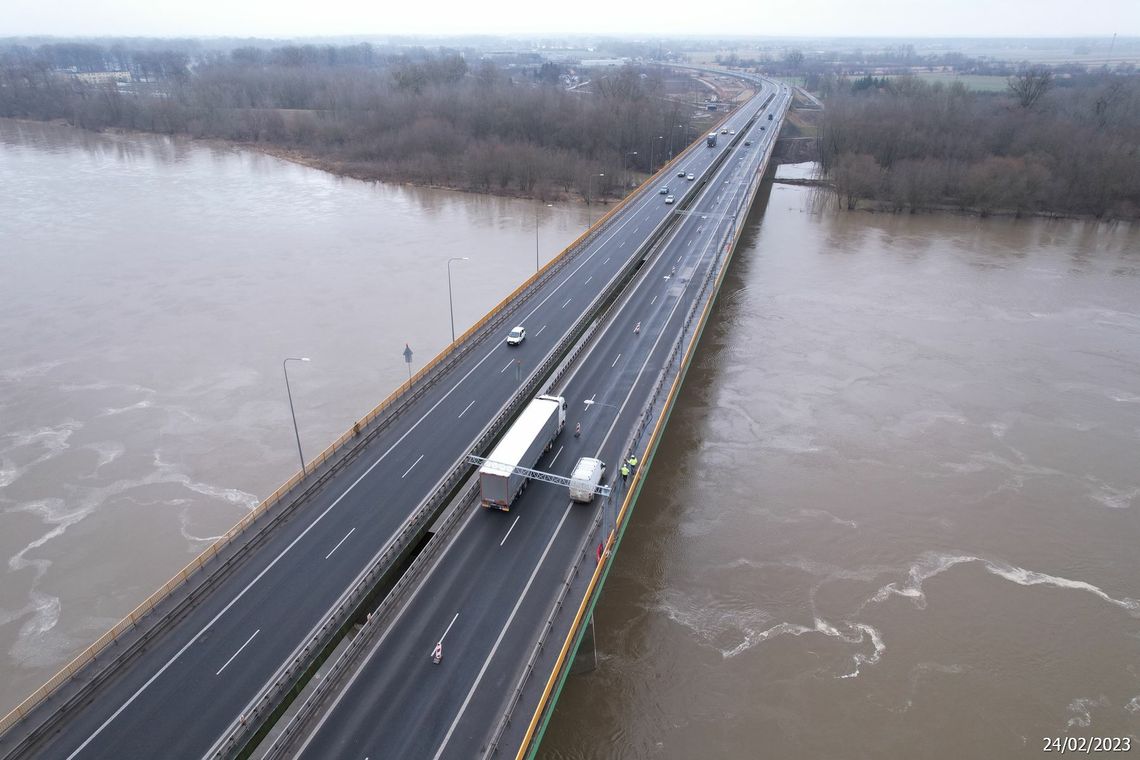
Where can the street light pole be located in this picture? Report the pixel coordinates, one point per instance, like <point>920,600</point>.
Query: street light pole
<point>450,301</point>
<point>289,392</point>
<point>536,208</point>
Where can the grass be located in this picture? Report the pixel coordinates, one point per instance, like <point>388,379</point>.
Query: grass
<point>979,82</point>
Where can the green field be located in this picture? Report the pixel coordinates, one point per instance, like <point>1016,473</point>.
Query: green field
<point>979,82</point>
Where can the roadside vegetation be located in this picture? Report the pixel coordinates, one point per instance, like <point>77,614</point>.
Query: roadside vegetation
<point>431,117</point>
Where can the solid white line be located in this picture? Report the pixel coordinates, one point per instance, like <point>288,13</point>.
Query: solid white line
<point>235,654</point>
<point>509,530</point>
<point>504,369</point>
<point>466,524</point>
<point>410,468</point>
<point>130,700</point>
<point>338,543</point>
<point>502,633</point>
<point>444,636</point>
<point>615,361</point>
<point>556,454</point>
<point>467,407</point>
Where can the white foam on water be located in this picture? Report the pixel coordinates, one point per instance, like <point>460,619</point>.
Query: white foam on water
<point>1081,709</point>
<point>53,512</point>
<point>184,527</point>
<point>1113,498</point>
<point>52,438</point>
<point>134,388</point>
<point>9,472</point>
<point>171,473</point>
<point>829,515</point>
<point>112,411</point>
<point>933,563</point>
<point>713,620</point>
<point>24,373</point>
<point>108,452</point>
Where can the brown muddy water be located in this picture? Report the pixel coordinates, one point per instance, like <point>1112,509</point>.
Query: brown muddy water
<point>149,291</point>
<point>896,513</point>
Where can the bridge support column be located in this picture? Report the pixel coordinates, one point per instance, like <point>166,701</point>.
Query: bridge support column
<point>587,658</point>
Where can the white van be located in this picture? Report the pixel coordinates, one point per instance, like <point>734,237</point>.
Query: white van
<point>585,478</point>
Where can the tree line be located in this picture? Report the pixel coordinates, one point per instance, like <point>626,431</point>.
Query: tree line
<point>1046,145</point>
<point>438,117</point>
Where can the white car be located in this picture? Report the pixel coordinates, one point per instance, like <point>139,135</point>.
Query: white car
<point>691,177</point>
<point>669,199</point>
<point>516,336</point>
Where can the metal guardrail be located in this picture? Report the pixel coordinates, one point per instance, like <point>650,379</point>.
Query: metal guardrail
<point>671,368</point>
<point>247,725</point>
<point>564,353</point>
<point>287,497</point>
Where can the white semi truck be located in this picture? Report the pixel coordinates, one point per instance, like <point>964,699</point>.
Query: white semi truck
<point>531,434</point>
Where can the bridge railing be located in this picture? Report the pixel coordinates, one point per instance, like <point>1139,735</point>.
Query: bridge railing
<point>548,373</point>
<point>668,378</point>
<point>293,492</point>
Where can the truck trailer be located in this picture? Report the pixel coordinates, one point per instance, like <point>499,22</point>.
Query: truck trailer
<point>531,434</point>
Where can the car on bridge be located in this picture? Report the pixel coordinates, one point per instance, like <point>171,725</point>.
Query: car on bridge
<point>691,177</point>
<point>664,190</point>
<point>747,143</point>
<point>516,336</point>
<point>669,199</point>
<point>681,174</point>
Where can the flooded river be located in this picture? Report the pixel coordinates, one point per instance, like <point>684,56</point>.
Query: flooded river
<point>896,513</point>
<point>149,291</point>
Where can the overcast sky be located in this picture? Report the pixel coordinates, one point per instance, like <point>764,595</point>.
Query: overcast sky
<point>841,18</point>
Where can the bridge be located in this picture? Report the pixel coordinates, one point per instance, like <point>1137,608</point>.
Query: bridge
<point>383,527</point>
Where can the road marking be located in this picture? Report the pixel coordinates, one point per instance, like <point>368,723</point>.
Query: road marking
<point>504,369</point>
<point>590,402</point>
<point>540,331</point>
<point>235,654</point>
<point>556,454</point>
<point>587,282</point>
<point>346,535</point>
<point>502,633</point>
<point>688,243</point>
<point>607,261</point>
<point>615,361</point>
<point>444,636</point>
<point>568,300</point>
<point>410,468</point>
<point>467,407</point>
<point>510,529</point>
<point>644,200</point>
<point>653,301</point>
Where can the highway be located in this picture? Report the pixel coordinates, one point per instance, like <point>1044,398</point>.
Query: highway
<point>489,593</point>
<point>198,675</point>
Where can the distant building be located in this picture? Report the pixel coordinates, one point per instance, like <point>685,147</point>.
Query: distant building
<point>103,77</point>
<point>600,62</point>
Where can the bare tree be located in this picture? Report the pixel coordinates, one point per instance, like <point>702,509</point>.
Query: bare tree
<point>1030,85</point>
